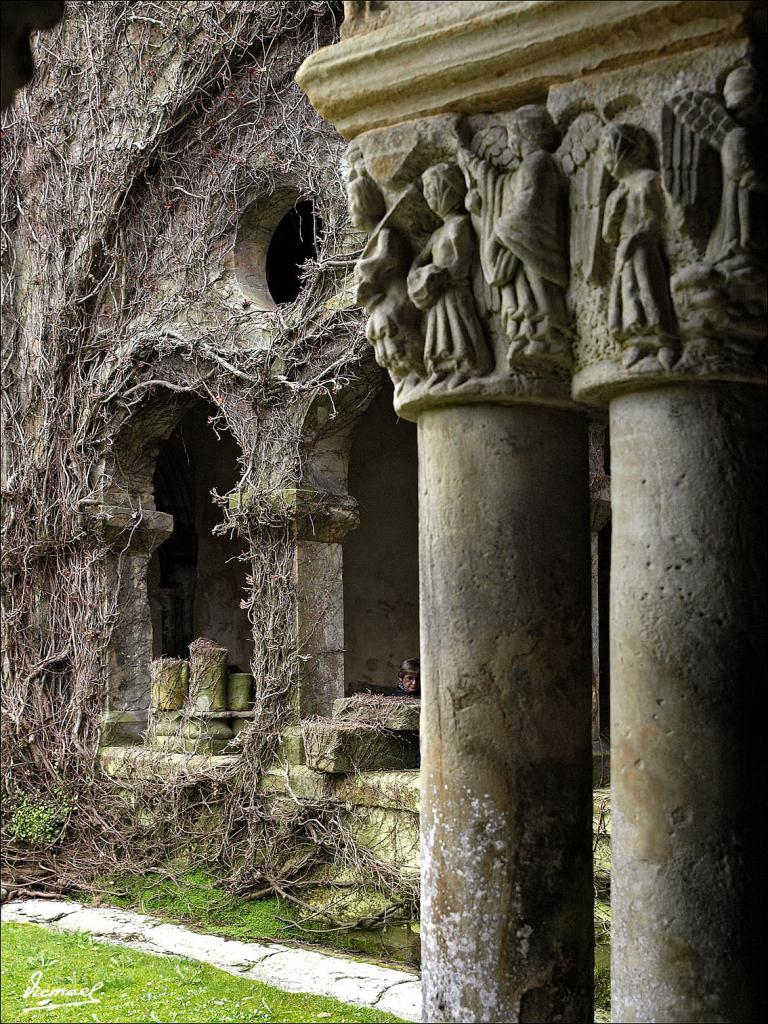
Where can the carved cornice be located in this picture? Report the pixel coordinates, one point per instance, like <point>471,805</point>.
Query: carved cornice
<point>119,520</point>
<point>487,56</point>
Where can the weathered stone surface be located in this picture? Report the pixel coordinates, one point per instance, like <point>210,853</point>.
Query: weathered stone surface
<point>306,971</point>
<point>395,714</point>
<point>334,747</point>
<point>689,481</point>
<point>401,999</point>
<point>398,790</point>
<point>320,608</point>
<point>506,756</point>
<point>117,761</point>
<point>292,745</point>
<point>391,835</point>
<point>493,56</point>
<point>297,781</point>
<point>466,302</point>
<point>123,727</point>
<point>101,921</point>
<point>39,911</point>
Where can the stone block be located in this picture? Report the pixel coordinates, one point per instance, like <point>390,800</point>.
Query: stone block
<point>395,790</point>
<point>391,836</point>
<point>400,714</point>
<point>121,727</point>
<point>297,781</point>
<point>128,761</point>
<point>339,747</point>
<point>292,745</point>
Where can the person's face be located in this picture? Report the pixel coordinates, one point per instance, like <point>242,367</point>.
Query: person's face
<point>410,681</point>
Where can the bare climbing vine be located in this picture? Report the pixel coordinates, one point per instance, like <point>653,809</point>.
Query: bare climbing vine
<point>149,130</point>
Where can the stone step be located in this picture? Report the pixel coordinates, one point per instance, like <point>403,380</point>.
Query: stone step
<point>339,747</point>
<point>399,714</point>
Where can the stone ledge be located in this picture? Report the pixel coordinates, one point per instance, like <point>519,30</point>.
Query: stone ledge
<point>399,714</point>
<point>119,761</point>
<point>499,55</point>
<point>340,747</point>
<point>389,790</point>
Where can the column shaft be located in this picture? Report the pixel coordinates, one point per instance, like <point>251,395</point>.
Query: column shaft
<point>688,656</point>
<point>506,753</point>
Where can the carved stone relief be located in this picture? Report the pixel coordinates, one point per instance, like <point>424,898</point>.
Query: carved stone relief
<point>667,224</point>
<point>626,246</point>
<point>722,298</point>
<point>640,311</point>
<point>470,214</point>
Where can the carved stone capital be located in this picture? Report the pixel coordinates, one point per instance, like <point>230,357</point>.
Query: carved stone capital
<point>466,267</point>
<point>326,518</point>
<point>668,221</point>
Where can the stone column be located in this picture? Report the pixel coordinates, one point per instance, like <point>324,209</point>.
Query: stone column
<point>504,559</point>
<point>322,522</point>
<point>670,306</point>
<point>506,769</point>
<point>688,656</point>
<point>133,537</point>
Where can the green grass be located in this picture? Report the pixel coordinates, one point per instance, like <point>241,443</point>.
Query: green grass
<point>139,987</point>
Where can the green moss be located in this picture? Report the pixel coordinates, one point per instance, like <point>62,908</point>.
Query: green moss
<point>38,820</point>
<point>140,987</point>
<point>602,959</point>
<point>193,898</point>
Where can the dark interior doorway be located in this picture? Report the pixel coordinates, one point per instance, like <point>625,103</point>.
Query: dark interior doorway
<point>381,556</point>
<point>196,581</point>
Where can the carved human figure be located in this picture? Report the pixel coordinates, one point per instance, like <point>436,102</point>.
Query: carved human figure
<point>523,236</point>
<point>439,284</point>
<point>392,328</point>
<point>727,289</point>
<point>640,312</point>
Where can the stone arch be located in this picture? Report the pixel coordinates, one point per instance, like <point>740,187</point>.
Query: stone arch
<point>353,627</point>
<point>159,515</point>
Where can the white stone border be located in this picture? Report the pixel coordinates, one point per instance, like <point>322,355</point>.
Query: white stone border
<point>288,968</point>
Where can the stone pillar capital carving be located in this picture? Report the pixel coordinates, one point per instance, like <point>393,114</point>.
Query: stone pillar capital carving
<point>669,249</point>
<point>466,266</point>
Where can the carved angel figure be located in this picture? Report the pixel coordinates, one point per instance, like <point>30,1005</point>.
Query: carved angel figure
<point>725,126</point>
<point>640,312</point>
<point>518,211</point>
<point>392,328</point>
<point>694,124</point>
<point>439,284</point>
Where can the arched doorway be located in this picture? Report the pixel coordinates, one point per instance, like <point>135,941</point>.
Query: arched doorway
<point>356,563</point>
<point>196,579</point>
<point>176,580</point>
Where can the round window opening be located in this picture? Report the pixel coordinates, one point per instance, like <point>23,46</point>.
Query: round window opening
<point>293,243</point>
<point>275,238</point>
